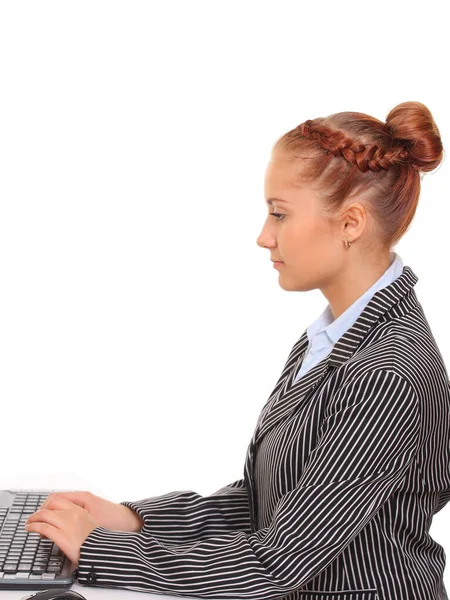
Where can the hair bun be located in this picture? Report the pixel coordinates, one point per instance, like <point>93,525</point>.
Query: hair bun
<point>412,125</point>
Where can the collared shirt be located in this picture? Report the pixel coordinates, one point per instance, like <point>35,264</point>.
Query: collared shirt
<point>325,331</point>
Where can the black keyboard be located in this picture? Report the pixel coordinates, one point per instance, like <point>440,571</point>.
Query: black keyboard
<point>28,561</point>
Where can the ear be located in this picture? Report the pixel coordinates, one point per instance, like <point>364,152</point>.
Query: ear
<point>353,222</point>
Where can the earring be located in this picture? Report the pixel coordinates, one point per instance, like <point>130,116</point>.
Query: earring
<point>347,243</point>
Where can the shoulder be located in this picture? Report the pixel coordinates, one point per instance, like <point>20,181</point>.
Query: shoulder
<point>372,390</point>
<point>404,347</point>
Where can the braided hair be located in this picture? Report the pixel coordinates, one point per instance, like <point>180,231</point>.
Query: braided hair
<point>363,156</point>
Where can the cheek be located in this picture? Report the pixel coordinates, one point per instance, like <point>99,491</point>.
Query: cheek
<point>304,235</point>
<point>310,248</point>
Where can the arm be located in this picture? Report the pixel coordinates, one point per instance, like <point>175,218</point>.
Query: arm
<point>366,444</point>
<point>185,516</point>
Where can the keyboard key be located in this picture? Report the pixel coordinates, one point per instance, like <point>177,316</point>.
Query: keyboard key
<point>10,568</point>
<point>13,516</point>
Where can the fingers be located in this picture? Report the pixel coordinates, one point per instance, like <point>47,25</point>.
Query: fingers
<point>57,536</point>
<point>58,502</point>
<point>51,517</point>
<point>80,498</point>
<point>52,510</point>
<point>46,530</point>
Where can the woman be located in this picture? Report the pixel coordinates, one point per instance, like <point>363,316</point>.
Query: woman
<point>350,456</point>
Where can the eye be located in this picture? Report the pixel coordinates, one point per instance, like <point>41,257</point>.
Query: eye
<point>274,214</point>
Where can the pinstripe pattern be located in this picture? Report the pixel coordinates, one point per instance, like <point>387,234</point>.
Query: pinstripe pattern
<point>342,476</point>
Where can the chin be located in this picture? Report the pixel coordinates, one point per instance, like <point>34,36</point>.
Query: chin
<point>288,287</point>
<point>294,286</point>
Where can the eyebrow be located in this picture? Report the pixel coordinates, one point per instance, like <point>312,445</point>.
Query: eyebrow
<point>272,200</point>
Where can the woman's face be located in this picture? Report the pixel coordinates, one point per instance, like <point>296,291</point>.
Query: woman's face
<point>309,244</point>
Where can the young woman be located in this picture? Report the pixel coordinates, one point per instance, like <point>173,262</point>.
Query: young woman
<point>350,457</point>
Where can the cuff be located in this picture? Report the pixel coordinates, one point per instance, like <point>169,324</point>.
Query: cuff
<point>97,561</point>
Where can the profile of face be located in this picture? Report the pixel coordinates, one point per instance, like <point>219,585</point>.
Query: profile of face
<point>307,241</point>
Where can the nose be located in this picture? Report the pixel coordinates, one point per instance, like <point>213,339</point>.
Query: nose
<point>266,239</point>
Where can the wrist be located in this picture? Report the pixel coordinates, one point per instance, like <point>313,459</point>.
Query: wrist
<point>137,522</point>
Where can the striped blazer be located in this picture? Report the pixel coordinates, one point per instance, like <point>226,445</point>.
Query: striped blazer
<point>342,476</point>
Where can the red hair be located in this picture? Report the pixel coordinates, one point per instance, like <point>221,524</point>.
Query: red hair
<point>350,153</point>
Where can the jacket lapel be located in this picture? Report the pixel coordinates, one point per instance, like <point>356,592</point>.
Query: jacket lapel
<point>294,360</point>
<point>292,396</point>
<point>286,397</point>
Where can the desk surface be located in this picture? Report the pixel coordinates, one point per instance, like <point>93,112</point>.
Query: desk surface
<point>90,593</point>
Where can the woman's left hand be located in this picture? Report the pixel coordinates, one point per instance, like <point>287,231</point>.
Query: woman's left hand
<point>65,523</point>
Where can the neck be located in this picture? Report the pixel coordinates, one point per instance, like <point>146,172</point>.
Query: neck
<point>349,285</point>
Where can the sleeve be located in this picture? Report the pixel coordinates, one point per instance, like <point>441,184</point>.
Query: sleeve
<point>366,443</point>
<point>184,516</point>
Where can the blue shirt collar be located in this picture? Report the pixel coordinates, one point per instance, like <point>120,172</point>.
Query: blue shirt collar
<point>335,328</point>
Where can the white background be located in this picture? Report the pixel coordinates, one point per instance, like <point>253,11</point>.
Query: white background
<point>141,327</point>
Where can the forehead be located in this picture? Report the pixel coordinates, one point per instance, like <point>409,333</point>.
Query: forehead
<point>279,174</point>
<point>278,182</point>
